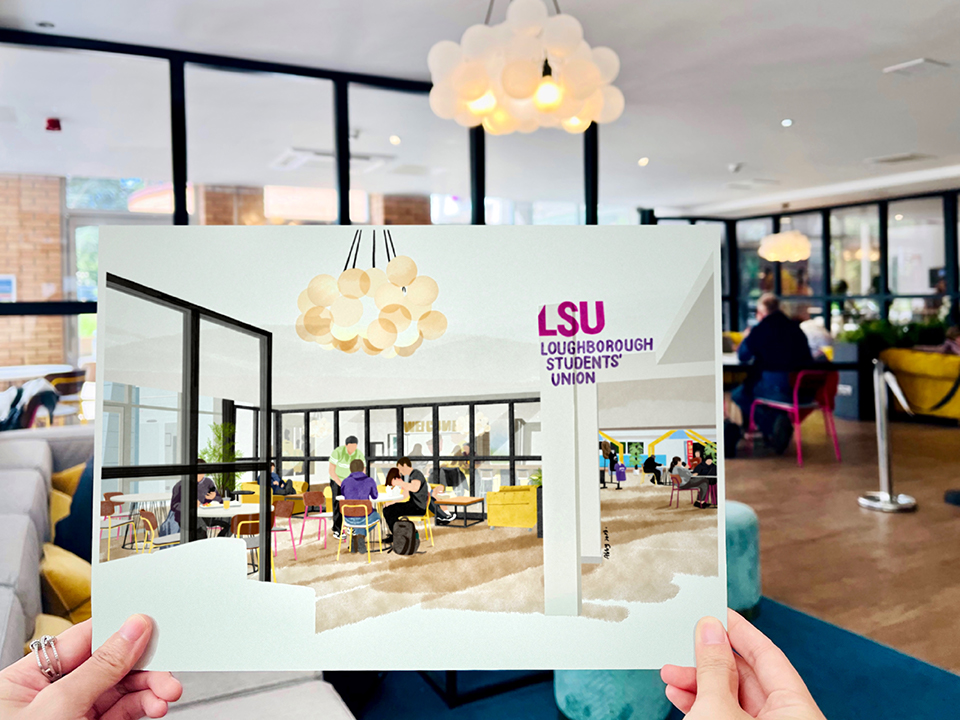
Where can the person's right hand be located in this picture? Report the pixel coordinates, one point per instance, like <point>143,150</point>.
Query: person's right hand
<point>211,495</point>
<point>757,682</point>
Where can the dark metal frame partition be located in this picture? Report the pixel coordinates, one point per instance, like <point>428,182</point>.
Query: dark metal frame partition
<point>471,404</point>
<point>188,468</point>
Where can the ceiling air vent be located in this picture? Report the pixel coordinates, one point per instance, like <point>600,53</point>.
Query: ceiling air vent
<point>295,158</point>
<point>897,159</point>
<point>920,67</point>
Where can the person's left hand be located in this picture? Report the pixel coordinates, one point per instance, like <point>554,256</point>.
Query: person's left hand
<point>211,495</point>
<point>94,686</point>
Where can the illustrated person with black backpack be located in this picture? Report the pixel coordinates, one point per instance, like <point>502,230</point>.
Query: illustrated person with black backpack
<point>413,482</point>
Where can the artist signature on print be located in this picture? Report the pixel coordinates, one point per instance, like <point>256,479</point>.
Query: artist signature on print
<point>606,543</point>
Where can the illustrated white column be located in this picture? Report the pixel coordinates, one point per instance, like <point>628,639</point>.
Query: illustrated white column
<point>588,479</point>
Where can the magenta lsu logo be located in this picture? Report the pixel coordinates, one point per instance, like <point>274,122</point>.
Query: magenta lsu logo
<point>573,318</point>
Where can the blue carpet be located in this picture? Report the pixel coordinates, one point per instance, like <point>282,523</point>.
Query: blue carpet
<point>851,677</point>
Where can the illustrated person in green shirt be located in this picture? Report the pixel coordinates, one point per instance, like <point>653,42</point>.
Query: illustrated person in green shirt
<point>339,468</point>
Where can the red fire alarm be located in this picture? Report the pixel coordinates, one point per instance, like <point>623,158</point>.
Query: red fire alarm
<point>53,124</point>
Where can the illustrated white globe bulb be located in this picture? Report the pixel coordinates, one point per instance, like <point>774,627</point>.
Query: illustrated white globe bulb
<point>548,94</point>
<point>562,35</point>
<point>607,62</point>
<point>613,104</point>
<point>443,57</point>
<point>520,78</point>
<point>526,17</point>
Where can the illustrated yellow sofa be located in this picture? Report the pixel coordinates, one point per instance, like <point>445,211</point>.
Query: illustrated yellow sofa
<point>926,378</point>
<point>512,506</point>
<point>299,485</point>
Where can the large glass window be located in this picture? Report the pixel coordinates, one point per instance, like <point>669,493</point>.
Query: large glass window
<point>454,429</point>
<point>351,424</point>
<point>855,250</point>
<point>915,246</point>
<point>756,274</point>
<point>804,277</point>
<point>293,438</point>
<point>418,432</point>
<point>526,427</point>
<point>321,434</point>
<point>492,430</point>
<point>383,433</point>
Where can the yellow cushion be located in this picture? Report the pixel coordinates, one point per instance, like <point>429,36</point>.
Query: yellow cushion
<point>59,509</point>
<point>65,582</point>
<point>66,480</point>
<point>47,625</point>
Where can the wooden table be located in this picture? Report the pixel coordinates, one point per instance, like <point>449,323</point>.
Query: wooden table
<point>464,502</point>
<point>31,372</point>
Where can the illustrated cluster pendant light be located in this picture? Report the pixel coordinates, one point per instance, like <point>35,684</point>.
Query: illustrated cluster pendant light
<point>529,72</point>
<point>386,312</point>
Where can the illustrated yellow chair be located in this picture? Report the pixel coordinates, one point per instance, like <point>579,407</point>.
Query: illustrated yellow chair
<point>426,520</point>
<point>247,528</point>
<point>148,522</point>
<point>358,509</point>
<point>300,486</point>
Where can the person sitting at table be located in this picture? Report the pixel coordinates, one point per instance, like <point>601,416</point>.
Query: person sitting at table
<point>454,472</point>
<point>413,482</point>
<point>443,517</point>
<point>278,485</point>
<point>777,347</point>
<point>650,466</point>
<point>692,481</point>
<point>359,486</point>
<point>206,492</point>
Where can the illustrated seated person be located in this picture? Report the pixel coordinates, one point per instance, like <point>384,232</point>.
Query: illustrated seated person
<point>415,484</point>
<point>359,486</point>
<point>652,467</point>
<point>454,472</point>
<point>279,485</point>
<point>206,492</point>
<point>443,517</point>
<point>700,482</point>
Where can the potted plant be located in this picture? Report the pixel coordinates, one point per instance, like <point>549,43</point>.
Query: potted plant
<point>222,449</point>
<point>536,479</point>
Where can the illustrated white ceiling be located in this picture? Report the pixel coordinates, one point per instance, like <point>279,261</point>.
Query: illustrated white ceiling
<point>707,85</point>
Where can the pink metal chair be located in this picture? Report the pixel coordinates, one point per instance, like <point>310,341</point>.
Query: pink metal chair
<point>822,386</point>
<point>283,510</point>
<point>675,487</point>
<point>311,499</point>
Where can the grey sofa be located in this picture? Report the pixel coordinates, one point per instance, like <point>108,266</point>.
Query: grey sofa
<point>27,460</point>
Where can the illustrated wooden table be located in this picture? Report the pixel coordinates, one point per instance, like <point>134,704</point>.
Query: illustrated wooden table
<point>463,502</point>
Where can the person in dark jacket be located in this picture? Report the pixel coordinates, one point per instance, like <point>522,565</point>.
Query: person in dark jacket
<point>651,467</point>
<point>776,347</point>
<point>278,485</point>
<point>206,492</point>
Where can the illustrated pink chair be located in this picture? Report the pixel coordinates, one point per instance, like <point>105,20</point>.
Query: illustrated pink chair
<point>283,510</point>
<point>311,499</point>
<point>675,488</point>
<point>821,385</point>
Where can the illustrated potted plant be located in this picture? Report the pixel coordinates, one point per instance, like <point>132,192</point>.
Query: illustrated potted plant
<point>536,479</point>
<point>222,449</point>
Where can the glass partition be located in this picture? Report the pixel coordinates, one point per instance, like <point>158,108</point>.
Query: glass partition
<point>855,250</point>
<point>915,250</point>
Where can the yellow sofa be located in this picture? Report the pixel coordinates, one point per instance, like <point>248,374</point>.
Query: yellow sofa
<point>926,378</point>
<point>512,506</point>
<point>299,485</point>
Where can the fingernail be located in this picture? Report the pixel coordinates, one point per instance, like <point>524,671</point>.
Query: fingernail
<point>134,628</point>
<point>712,632</point>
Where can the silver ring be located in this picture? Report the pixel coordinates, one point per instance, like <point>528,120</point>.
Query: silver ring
<point>51,669</point>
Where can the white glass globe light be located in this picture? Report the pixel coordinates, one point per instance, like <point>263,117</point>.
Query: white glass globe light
<point>607,62</point>
<point>520,109</point>
<point>469,80</point>
<point>575,125</point>
<point>483,105</point>
<point>520,78</point>
<point>444,101</point>
<point>581,78</point>
<point>526,17</point>
<point>524,47</point>
<point>466,118</point>
<point>568,107</point>
<point>548,120</point>
<point>443,57</point>
<point>500,122</point>
<point>528,126</point>
<point>592,106</point>
<point>548,94</point>
<point>613,104</point>
<point>562,35</point>
<point>478,41</point>
<point>583,52</point>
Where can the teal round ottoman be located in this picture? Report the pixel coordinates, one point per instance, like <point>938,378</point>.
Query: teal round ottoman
<point>743,558</point>
<point>610,694</point>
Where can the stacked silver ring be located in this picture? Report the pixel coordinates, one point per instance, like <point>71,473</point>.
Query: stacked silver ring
<point>51,668</point>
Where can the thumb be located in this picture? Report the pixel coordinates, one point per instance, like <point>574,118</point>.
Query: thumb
<point>717,678</point>
<point>107,666</point>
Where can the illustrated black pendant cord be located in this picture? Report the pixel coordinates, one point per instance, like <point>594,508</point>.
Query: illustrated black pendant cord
<point>356,241</point>
<point>354,250</point>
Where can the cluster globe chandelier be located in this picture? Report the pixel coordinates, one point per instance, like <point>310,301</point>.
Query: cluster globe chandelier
<point>386,312</point>
<point>790,246</point>
<point>531,71</point>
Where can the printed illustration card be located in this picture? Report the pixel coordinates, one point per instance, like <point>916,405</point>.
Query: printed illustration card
<point>499,446</point>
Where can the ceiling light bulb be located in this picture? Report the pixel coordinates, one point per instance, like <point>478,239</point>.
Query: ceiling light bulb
<point>548,95</point>
<point>786,122</point>
<point>483,105</point>
<point>898,216</point>
<point>642,162</point>
<point>394,139</point>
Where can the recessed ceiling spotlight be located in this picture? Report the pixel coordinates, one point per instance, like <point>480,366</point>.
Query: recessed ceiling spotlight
<point>45,24</point>
<point>642,162</point>
<point>898,216</point>
<point>394,139</point>
<point>786,122</point>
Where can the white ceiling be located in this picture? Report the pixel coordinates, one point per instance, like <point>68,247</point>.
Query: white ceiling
<point>706,83</point>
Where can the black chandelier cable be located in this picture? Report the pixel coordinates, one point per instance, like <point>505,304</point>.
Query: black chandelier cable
<point>356,238</point>
<point>357,249</point>
<point>374,244</point>
<point>389,249</point>
<point>390,235</point>
<point>486,20</point>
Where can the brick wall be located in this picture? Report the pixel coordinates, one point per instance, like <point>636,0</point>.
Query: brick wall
<point>221,205</point>
<point>30,248</point>
<point>403,210</point>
